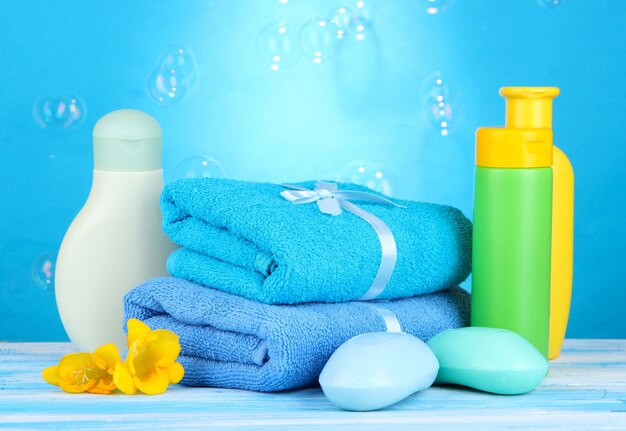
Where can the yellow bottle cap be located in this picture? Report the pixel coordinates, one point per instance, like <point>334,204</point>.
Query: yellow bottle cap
<point>529,107</point>
<point>526,140</point>
<point>504,147</point>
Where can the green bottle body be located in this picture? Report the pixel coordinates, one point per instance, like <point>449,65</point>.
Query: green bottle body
<point>511,251</point>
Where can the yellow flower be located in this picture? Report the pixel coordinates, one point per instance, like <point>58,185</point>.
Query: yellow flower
<point>150,365</point>
<point>85,372</point>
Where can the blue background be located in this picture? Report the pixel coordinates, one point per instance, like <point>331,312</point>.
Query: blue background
<point>366,106</point>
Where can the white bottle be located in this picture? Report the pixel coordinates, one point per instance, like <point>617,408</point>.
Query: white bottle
<point>116,241</point>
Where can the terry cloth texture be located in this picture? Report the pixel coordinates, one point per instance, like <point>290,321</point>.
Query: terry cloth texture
<point>244,238</point>
<point>232,342</point>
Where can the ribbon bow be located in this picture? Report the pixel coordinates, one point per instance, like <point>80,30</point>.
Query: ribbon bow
<point>331,201</point>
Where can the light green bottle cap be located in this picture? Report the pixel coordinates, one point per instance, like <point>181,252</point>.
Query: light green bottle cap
<point>127,140</point>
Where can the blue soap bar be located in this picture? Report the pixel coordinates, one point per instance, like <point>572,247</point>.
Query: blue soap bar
<point>375,370</point>
<point>489,359</point>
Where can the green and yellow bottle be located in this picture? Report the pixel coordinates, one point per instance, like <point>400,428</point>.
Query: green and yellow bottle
<point>513,218</point>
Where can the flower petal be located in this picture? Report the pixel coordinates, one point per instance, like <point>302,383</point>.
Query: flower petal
<point>70,364</point>
<point>79,372</point>
<point>104,386</point>
<point>106,357</point>
<point>166,346</point>
<point>51,375</point>
<point>137,331</point>
<point>175,372</point>
<point>155,382</point>
<point>76,386</point>
<point>102,389</point>
<point>130,357</point>
<point>100,363</point>
<point>161,352</point>
<point>123,380</point>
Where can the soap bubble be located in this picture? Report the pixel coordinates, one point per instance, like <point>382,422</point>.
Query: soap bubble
<point>60,112</point>
<point>367,174</point>
<point>179,61</point>
<point>358,68</point>
<point>277,45</point>
<point>175,76</point>
<point>319,39</point>
<point>165,87</point>
<point>363,11</point>
<point>43,270</point>
<point>199,167</point>
<point>440,104</point>
<point>436,6</point>
<point>551,3</point>
<point>342,17</point>
<point>362,30</point>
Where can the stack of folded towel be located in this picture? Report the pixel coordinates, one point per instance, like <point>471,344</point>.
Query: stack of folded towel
<point>261,288</point>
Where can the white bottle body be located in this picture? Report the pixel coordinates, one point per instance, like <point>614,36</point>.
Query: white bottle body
<point>115,243</point>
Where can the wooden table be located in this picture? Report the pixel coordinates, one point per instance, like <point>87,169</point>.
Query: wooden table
<point>585,389</point>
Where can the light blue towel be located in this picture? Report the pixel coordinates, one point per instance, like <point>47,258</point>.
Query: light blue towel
<point>232,342</point>
<point>244,238</point>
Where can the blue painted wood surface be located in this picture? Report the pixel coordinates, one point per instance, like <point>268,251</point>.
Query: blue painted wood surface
<point>585,389</point>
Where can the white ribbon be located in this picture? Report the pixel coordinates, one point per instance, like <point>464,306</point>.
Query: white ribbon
<point>331,201</point>
<point>390,318</point>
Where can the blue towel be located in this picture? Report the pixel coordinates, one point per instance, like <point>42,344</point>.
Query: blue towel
<point>232,342</point>
<point>244,238</point>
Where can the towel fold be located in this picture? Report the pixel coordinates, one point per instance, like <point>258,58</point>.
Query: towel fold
<point>229,341</point>
<point>244,238</point>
